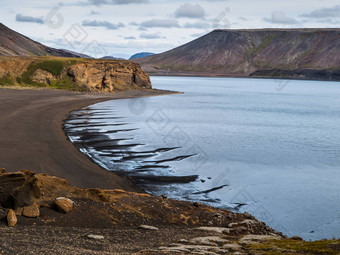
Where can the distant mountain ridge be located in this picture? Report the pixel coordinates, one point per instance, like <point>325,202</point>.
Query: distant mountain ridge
<point>292,53</point>
<point>142,55</point>
<point>15,44</point>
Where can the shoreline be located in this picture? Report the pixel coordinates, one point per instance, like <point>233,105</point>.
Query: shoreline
<point>205,75</point>
<point>110,212</point>
<point>45,148</point>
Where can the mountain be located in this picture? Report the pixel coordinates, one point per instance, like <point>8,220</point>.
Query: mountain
<point>112,58</point>
<point>283,53</point>
<point>141,55</point>
<point>15,44</point>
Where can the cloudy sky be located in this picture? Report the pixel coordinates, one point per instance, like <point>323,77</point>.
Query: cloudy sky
<point>123,27</point>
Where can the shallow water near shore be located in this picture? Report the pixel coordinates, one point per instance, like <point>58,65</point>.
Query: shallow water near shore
<point>269,147</point>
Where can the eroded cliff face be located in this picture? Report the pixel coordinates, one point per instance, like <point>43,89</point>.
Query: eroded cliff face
<point>109,76</point>
<point>73,74</point>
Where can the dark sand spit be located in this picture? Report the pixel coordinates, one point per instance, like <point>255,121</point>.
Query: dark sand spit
<point>32,136</point>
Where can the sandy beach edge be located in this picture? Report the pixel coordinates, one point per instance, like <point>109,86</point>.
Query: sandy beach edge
<point>31,124</point>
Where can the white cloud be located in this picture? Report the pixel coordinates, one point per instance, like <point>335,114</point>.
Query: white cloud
<point>106,24</point>
<point>197,25</point>
<point>101,2</point>
<point>22,18</point>
<point>333,12</point>
<point>165,23</point>
<point>278,17</point>
<point>188,10</point>
<point>151,36</point>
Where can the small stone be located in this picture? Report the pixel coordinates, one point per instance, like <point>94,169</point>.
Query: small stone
<point>64,204</point>
<point>11,218</point>
<point>248,215</point>
<point>210,223</point>
<point>164,197</point>
<point>218,215</point>
<point>183,241</point>
<point>95,237</point>
<point>297,238</point>
<point>31,211</point>
<point>146,227</point>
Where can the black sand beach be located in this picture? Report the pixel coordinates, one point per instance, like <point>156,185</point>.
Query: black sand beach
<point>32,136</point>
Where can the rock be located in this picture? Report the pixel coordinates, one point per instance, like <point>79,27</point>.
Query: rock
<point>42,76</point>
<point>297,238</point>
<point>249,239</point>
<point>18,189</point>
<point>95,237</point>
<point>232,246</point>
<point>247,215</point>
<point>214,229</point>
<point>82,74</point>
<point>208,240</point>
<point>11,218</point>
<point>19,211</point>
<point>196,204</point>
<point>109,76</point>
<point>183,241</point>
<point>64,204</point>
<point>31,211</point>
<point>210,223</point>
<point>146,227</point>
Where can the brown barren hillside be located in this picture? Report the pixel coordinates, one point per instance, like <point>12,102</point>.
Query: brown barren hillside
<point>15,44</point>
<point>284,53</point>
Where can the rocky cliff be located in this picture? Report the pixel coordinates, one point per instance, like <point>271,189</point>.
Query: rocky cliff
<point>293,53</point>
<point>73,74</point>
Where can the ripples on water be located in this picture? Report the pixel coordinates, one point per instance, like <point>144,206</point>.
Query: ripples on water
<point>240,144</point>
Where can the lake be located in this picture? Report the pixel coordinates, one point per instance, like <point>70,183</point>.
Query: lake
<point>268,147</point>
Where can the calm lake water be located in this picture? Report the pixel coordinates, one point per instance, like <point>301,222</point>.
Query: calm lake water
<point>269,147</point>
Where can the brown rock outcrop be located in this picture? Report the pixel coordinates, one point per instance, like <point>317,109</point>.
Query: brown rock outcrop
<point>18,189</point>
<point>109,76</point>
<point>74,74</point>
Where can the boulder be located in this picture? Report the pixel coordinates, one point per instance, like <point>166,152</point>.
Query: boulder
<point>18,189</point>
<point>64,204</point>
<point>42,76</point>
<point>19,211</point>
<point>11,218</point>
<point>31,211</point>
